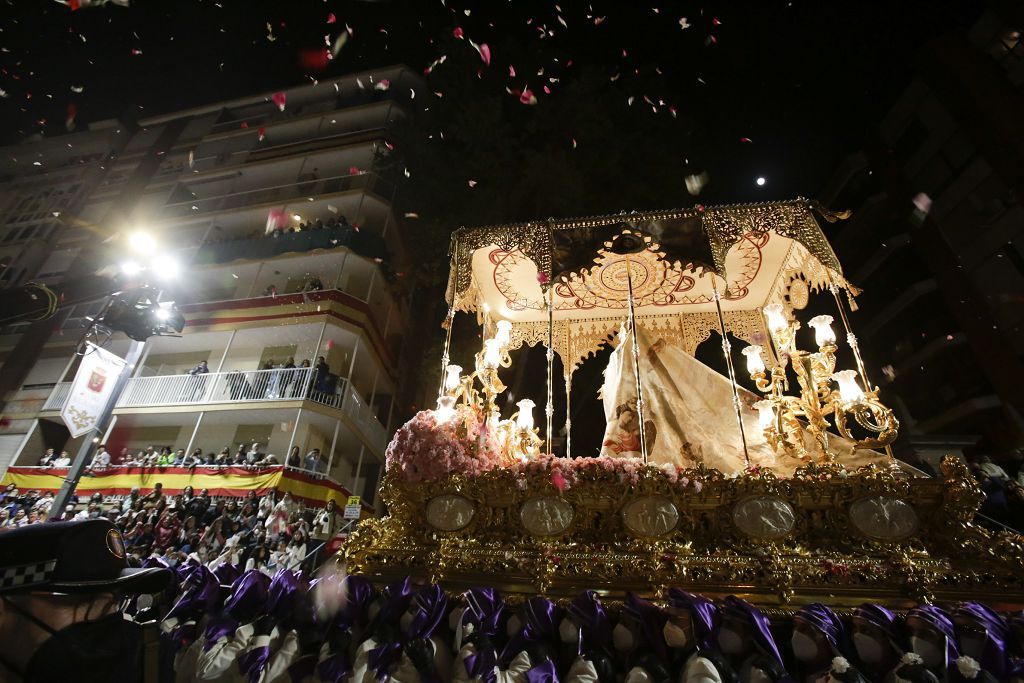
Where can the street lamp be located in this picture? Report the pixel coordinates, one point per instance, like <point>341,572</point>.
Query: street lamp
<point>138,312</point>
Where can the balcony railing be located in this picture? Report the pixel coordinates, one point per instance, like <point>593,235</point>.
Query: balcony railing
<point>58,397</point>
<point>255,386</point>
<point>300,188</point>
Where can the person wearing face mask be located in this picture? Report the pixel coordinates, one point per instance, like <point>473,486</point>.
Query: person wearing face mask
<point>984,636</point>
<point>817,640</point>
<point>747,642</point>
<point>61,589</point>
<point>932,639</point>
<point>877,641</point>
<point>691,629</point>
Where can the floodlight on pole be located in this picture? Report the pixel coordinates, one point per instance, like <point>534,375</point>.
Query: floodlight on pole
<point>142,242</point>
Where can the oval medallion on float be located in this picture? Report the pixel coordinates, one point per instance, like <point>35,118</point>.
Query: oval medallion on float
<point>546,516</point>
<point>883,517</point>
<point>449,512</point>
<point>764,517</point>
<point>650,516</point>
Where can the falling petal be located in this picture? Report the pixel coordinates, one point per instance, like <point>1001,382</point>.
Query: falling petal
<point>278,98</point>
<point>382,84</point>
<point>684,24</point>
<point>457,32</point>
<point>599,20</point>
<point>716,22</point>
<point>511,71</point>
<point>331,18</point>
<point>746,140</point>
<point>77,88</point>
<point>472,183</point>
<point>261,133</point>
<point>353,170</point>
<point>527,97</point>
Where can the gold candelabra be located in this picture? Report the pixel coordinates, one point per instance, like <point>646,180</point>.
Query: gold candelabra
<point>517,436</point>
<point>788,419</point>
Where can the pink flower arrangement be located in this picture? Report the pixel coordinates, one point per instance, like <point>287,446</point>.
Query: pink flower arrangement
<point>425,449</point>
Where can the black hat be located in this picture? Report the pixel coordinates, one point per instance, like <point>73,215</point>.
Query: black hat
<point>87,556</point>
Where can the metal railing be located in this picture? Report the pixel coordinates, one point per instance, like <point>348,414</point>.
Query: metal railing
<point>363,416</point>
<point>252,386</point>
<point>218,387</point>
<point>301,187</point>
<point>58,397</point>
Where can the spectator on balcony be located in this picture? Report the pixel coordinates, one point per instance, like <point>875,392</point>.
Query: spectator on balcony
<point>238,387</point>
<point>223,458</point>
<point>48,458</point>
<point>271,289</point>
<point>313,284</point>
<point>259,559</point>
<point>197,382</point>
<point>313,462</point>
<point>193,460</point>
<point>287,376</point>
<point>299,377</point>
<point>294,459</point>
<point>253,455</point>
<point>166,458</point>
<point>100,461</point>
<point>179,457</point>
<point>296,551</point>
<point>991,470</point>
<point>63,460</point>
<point>268,460</point>
<point>320,373</point>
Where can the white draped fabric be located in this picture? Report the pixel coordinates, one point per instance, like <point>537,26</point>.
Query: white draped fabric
<point>689,414</point>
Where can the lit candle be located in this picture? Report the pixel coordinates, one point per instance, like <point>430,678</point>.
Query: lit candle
<point>504,330</point>
<point>765,413</point>
<point>755,362</point>
<point>775,314</point>
<point>849,390</point>
<point>445,409</point>
<point>824,335</point>
<point>524,420</point>
<point>453,378</point>
<point>492,354</point>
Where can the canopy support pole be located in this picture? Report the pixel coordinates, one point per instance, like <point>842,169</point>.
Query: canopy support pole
<point>549,408</point>
<point>636,364</point>
<point>568,415</point>
<point>727,351</point>
<point>445,358</point>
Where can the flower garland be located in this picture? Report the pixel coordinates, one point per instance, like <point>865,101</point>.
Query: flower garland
<point>426,449</point>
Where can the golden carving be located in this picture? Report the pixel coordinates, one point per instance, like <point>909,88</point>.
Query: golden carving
<point>823,552</point>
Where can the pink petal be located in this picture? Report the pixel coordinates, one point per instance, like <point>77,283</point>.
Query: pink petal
<point>485,53</point>
<point>261,133</point>
<point>511,71</point>
<point>278,98</point>
<point>331,18</point>
<point>558,480</point>
<point>472,183</point>
<point>457,32</point>
<point>527,97</point>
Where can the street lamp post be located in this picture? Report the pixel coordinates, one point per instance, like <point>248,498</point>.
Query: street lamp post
<point>162,267</point>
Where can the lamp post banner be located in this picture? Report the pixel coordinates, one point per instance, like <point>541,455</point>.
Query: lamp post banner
<point>93,385</point>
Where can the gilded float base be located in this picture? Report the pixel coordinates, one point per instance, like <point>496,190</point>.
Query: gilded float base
<point>828,535</point>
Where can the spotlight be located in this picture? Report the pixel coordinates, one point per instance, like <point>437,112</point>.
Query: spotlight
<point>165,267</point>
<point>131,268</point>
<point>142,242</point>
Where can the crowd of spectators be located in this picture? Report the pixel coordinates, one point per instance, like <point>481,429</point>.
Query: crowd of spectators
<point>246,455</point>
<point>266,533</point>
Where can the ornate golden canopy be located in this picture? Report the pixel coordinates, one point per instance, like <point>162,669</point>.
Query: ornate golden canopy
<point>754,254</point>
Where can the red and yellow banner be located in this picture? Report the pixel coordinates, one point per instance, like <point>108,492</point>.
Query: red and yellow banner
<point>220,481</point>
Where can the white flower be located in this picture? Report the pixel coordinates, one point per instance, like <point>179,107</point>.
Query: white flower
<point>911,658</point>
<point>969,667</point>
<point>840,665</point>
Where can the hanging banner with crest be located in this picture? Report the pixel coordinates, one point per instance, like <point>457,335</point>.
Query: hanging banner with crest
<point>94,383</point>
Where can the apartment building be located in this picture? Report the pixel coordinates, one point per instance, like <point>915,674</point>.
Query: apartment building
<point>937,241</point>
<point>286,244</point>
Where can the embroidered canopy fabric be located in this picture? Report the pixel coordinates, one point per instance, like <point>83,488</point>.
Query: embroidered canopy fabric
<point>674,261</point>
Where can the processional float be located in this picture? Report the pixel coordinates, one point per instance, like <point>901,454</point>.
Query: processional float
<point>786,493</point>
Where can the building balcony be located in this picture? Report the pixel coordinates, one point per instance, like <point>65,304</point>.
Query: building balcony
<point>243,389</point>
<point>305,187</point>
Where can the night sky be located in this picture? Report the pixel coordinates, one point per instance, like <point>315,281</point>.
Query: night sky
<point>772,88</point>
<point>630,98</point>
